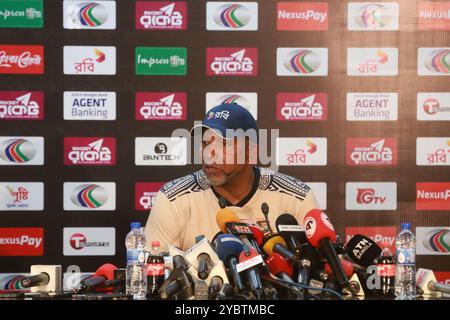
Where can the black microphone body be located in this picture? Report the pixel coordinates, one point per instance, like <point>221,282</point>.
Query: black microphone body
<point>204,266</point>
<point>327,247</point>
<point>41,279</point>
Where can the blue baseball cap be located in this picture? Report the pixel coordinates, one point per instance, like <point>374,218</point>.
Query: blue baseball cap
<point>231,117</point>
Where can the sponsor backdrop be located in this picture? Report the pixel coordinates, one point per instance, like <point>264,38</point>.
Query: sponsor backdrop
<point>91,91</point>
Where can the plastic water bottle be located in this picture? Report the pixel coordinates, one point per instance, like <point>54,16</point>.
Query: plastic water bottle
<point>405,272</point>
<point>136,276</point>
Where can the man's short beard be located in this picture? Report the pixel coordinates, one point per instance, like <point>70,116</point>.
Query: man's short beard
<point>220,181</point>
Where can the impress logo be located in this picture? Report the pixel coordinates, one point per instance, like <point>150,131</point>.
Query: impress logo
<point>302,106</point>
<point>21,105</point>
<point>21,14</point>
<point>232,16</point>
<point>161,105</point>
<point>372,61</point>
<point>302,62</point>
<point>434,15</point>
<point>248,100</point>
<point>433,62</point>
<point>433,151</point>
<point>161,61</point>
<point>89,15</point>
<point>21,151</point>
<point>145,194</point>
<point>89,105</point>
<point>373,16</point>
<point>433,196</point>
<point>21,242</point>
<point>94,151</point>
<point>433,106</point>
<point>160,151</point>
<point>89,196</point>
<point>296,16</point>
<point>232,61</point>
<point>371,151</point>
<point>433,241</point>
<point>372,106</point>
<point>161,15</point>
<point>21,196</point>
<point>89,241</point>
<point>301,151</point>
<point>371,196</point>
<point>381,235</point>
<point>85,60</point>
<point>18,59</point>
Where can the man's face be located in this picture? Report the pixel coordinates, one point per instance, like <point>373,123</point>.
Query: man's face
<point>222,158</point>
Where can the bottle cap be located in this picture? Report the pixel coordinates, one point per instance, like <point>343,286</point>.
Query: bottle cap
<point>135,225</point>
<point>406,225</point>
<point>155,244</point>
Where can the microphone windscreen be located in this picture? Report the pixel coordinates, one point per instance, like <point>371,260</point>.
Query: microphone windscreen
<point>224,216</point>
<point>362,250</point>
<point>258,234</point>
<point>347,266</point>
<point>106,270</point>
<point>287,219</point>
<point>278,264</point>
<point>318,226</point>
<point>227,246</point>
<point>271,242</point>
<point>252,253</point>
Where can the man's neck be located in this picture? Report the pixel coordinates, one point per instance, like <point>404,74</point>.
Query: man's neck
<point>238,187</point>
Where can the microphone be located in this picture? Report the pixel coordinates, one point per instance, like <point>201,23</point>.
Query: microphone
<point>320,233</point>
<point>277,244</point>
<point>44,278</point>
<point>97,281</point>
<point>288,227</point>
<point>283,270</point>
<point>362,250</point>
<point>248,261</point>
<point>228,248</point>
<point>229,222</point>
<point>426,281</point>
<point>280,267</point>
<point>347,266</point>
<point>40,279</point>
<point>265,211</point>
<point>202,257</point>
<point>295,237</point>
<point>222,202</point>
<point>179,283</point>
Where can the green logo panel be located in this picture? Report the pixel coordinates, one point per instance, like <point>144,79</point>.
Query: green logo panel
<point>21,14</point>
<point>161,61</point>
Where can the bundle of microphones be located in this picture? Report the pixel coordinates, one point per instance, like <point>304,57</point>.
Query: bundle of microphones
<point>299,261</point>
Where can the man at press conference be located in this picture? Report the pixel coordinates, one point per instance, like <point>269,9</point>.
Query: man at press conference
<point>186,207</point>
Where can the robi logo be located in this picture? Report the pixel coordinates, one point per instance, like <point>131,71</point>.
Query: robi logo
<point>367,196</point>
<point>78,241</point>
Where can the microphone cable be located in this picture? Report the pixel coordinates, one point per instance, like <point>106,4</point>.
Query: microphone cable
<point>339,296</point>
